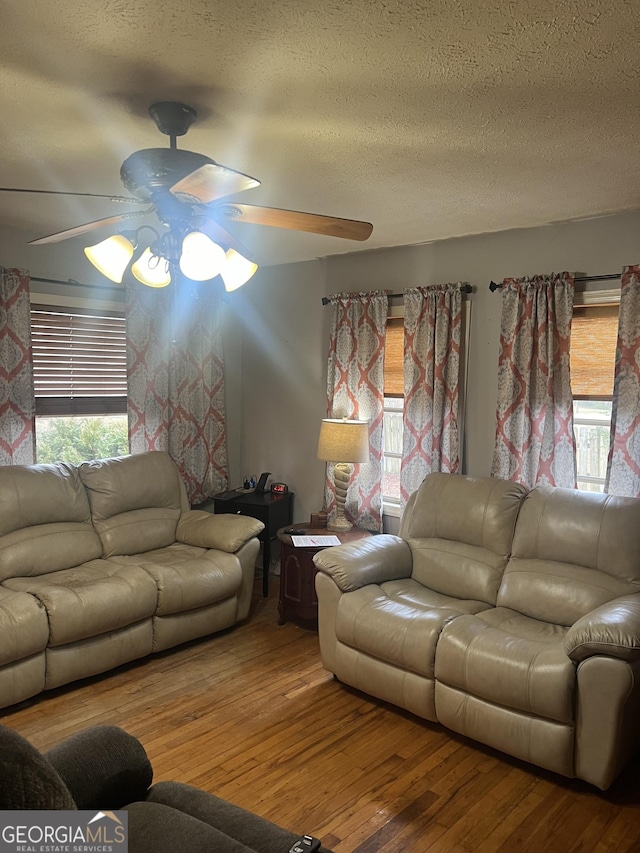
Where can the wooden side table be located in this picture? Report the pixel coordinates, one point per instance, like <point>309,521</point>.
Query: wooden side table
<point>297,601</point>
<point>272,510</point>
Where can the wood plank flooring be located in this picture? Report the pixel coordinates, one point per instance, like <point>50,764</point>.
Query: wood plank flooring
<point>251,716</point>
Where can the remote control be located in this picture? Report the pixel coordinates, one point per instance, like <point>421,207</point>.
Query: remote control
<point>306,844</point>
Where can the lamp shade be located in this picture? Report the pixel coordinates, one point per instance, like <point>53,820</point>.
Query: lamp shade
<point>111,256</point>
<point>237,270</point>
<point>151,270</point>
<point>343,441</point>
<point>201,258</point>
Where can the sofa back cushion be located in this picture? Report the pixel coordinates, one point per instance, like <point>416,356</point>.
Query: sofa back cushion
<point>572,552</point>
<point>460,531</point>
<point>135,501</point>
<point>45,522</point>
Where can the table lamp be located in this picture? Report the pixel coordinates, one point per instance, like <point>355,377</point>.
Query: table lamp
<point>343,442</point>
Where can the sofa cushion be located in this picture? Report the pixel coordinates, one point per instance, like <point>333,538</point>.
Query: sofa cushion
<point>398,622</point>
<point>40,494</point>
<point>460,531</point>
<point>479,511</point>
<point>23,626</point>
<point>572,552</point>
<point>102,765</point>
<point>509,660</point>
<point>187,577</point>
<point>135,501</point>
<point>27,780</point>
<point>45,520</point>
<point>457,570</point>
<point>91,599</point>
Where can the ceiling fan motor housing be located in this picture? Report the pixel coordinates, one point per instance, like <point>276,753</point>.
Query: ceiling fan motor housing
<point>146,171</point>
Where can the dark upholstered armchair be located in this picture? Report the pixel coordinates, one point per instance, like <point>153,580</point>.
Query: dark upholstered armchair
<point>105,768</point>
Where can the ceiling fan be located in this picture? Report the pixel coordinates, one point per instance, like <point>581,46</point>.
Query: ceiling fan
<point>188,193</point>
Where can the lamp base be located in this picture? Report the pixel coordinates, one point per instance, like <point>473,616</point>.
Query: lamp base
<point>339,525</point>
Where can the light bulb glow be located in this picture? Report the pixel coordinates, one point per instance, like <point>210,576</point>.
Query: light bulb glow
<point>237,270</point>
<point>111,256</point>
<point>201,258</point>
<point>151,270</point>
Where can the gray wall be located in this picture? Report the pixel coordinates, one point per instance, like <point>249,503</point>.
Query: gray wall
<point>276,330</point>
<point>284,356</point>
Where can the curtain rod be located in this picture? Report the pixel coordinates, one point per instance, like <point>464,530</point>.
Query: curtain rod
<point>609,277</point>
<point>466,288</point>
<point>73,283</point>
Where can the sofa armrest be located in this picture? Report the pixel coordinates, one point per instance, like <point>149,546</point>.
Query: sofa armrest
<point>366,561</point>
<point>103,767</point>
<point>612,629</point>
<point>225,532</point>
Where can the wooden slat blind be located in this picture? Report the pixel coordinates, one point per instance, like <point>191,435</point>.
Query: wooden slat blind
<point>594,332</point>
<point>394,358</point>
<point>79,355</point>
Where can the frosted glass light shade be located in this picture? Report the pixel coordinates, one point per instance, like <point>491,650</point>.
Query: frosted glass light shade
<point>343,441</point>
<point>111,256</point>
<point>201,258</point>
<point>151,270</point>
<point>237,270</point>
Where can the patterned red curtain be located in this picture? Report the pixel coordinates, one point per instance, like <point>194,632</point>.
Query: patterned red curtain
<point>176,382</point>
<point>355,390</point>
<point>534,432</point>
<point>623,470</point>
<point>17,405</point>
<point>432,339</point>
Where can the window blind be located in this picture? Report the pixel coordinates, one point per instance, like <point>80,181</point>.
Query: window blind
<point>79,361</point>
<point>394,358</point>
<point>594,333</point>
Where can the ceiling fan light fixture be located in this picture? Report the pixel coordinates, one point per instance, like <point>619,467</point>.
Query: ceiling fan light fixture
<point>151,270</point>
<point>111,256</point>
<point>201,259</point>
<point>237,270</point>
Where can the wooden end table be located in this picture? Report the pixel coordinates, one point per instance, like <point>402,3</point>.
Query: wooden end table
<point>297,601</point>
<point>272,510</point>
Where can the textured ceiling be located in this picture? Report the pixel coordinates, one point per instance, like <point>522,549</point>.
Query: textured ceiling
<point>428,118</point>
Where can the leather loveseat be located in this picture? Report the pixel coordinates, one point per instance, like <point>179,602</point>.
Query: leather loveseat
<point>104,563</point>
<point>510,617</point>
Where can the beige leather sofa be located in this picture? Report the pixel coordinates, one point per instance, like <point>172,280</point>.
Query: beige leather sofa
<point>104,563</point>
<point>510,617</point>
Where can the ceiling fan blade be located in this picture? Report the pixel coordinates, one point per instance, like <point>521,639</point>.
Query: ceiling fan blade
<point>219,234</point>
<point>119,198</point>
<point>88,226</point>
<point>314,223</point>
<point>212,181</point>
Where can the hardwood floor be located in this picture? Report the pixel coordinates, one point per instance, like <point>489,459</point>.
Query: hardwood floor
<point>251,716</point>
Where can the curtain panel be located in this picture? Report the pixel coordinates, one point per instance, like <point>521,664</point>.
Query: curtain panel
<point>623,468</point>
<point>534,424</point>
<point>355,389</point>
<point>175,373</point>
<point>432,346</point>
<point>17,404</point>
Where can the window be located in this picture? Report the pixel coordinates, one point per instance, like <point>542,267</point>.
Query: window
<point>594,331</point>
<point>393,409</point>
<point>80,383</point>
